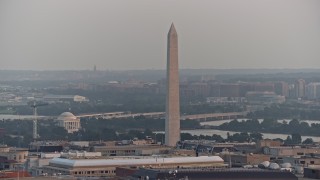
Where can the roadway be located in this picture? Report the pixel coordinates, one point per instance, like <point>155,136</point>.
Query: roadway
<point>117,115</point>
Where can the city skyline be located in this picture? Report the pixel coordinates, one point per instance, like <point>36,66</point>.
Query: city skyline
<point>113,35</point>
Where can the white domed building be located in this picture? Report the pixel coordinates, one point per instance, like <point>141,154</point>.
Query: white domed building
<point>69,121</point>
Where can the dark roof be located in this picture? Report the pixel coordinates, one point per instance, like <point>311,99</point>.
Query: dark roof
<point>221,174</point>
<point>5,160</point>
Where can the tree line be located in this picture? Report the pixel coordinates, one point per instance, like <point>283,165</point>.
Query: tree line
<point>272,126</point>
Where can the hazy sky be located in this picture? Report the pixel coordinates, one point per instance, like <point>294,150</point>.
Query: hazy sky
<point>131,34</point>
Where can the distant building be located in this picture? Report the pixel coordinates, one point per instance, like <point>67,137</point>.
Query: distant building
<point>246,87</point>
<point>214,89</point>
<point>281,88</point>
<point>255,97</point>
<point>225,100</point>
<point>300,87</point>
<point>200,89</point>
<point>262,87</point>
<point>63,98</point>
<point>313,91</point>
<point>68,121</point>
<point>268,143</point>
<point>289,151</point>
<point>292,92</point>
<point>229,90</point>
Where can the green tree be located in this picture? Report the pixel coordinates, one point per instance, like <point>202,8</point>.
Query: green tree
<point>240,137</point>
<point>294,125</point>
<point>217,138</point>
<point>288,140</point>
<point>308,141</point>
<point>296,138</point>
<point>148,132</point>
<point>255,137</point>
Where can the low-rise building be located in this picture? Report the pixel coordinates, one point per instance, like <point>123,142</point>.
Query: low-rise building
<point>289,150</point>
<point>36,162</point>
<point>312,172</point>
<point>213,147</point>
<point>63,98</point>
<point>80,154</point>
<point>257,97</point>
<point>131,150</point>
<point>47,146</point>
<point>268,143</point>
<point>238,160</point>
<point>107,167</point>
<point>78,145</point>
<point>302,160</point>
<point>12,158</point>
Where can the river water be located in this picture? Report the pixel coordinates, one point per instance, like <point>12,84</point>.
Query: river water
<point>223,134</point>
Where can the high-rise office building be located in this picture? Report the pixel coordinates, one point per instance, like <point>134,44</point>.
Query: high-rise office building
<point>313,91</point>
<point>300,87</point>
<point>172,123</point>
<point>281,88</point>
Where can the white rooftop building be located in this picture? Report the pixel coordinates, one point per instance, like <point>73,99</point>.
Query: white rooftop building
<point>55,98</point>
<point>107,167</point>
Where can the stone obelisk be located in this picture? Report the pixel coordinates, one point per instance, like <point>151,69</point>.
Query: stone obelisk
<point>172,135</point>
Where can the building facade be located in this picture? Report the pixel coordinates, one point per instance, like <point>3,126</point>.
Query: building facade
<point>313,91</point>
<point>300,88</point>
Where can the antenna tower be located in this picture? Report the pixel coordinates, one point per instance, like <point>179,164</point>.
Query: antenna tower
<point>35,105</point>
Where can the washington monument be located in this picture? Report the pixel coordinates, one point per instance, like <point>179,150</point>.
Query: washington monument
<point>172,102</point>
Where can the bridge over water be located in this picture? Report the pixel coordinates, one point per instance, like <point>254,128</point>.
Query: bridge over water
<point>208,116</point>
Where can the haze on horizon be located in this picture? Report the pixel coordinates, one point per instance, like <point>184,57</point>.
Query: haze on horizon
<point>125,34</point>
